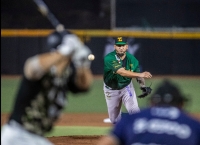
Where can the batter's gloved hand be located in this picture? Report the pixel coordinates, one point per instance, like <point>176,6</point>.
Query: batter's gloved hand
<point>80,57</point>
<point>145,91</point>
<point>69,45</point>
<point>72,46</point>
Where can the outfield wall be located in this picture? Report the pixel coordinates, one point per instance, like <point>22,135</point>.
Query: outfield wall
<point>162,53</point>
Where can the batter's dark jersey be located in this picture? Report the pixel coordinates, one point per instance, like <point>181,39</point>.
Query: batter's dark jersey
<point>158,126</point>
<point>112,63</point>
<point>39,103</point>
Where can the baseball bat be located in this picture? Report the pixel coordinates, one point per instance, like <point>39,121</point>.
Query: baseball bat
<point>44,10</point>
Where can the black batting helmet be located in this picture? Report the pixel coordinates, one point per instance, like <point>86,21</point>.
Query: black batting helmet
<point>55,39</point>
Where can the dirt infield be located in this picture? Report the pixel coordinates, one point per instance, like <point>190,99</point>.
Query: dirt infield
<point>75,140</point>
<point>91,119</point>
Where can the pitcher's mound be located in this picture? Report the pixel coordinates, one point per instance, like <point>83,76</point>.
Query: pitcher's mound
<point>74,140</point>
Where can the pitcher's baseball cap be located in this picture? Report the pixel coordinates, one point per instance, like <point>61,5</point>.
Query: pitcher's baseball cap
<point>120,40</point>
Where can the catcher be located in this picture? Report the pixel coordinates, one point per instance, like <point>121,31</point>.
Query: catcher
<point>119,69</point>
<point>164,122</point>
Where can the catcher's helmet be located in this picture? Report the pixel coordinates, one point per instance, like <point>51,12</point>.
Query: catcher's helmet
<point>168,94</point>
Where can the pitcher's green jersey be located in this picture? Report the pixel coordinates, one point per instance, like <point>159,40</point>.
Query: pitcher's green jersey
<point>112,63</point>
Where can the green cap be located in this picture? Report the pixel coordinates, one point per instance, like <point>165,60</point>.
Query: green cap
<point>120,41</point>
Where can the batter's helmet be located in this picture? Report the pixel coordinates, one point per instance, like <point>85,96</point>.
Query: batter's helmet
<point>55,39</point>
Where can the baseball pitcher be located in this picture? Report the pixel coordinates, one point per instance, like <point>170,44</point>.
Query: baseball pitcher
<point>119,69</point>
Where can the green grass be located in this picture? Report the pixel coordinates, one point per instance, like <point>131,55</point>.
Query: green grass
<point>190,88</point>
<point>77,130</point>
<point>94,101</point>
<point>8,90</point>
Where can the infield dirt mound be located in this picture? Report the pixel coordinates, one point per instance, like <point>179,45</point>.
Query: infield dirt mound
<point>77,119</point>
<point>74,140</point>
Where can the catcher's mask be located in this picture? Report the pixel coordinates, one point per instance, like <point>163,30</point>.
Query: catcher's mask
<point>168,94</point>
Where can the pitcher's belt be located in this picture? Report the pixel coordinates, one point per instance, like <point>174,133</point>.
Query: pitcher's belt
<point>110,88</point>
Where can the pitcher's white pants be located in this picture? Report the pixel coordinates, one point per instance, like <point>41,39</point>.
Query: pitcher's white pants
<point>14,134</point>
<point>115,98</point>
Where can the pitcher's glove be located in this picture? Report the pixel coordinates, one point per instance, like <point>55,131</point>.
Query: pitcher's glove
<point>145,91</point>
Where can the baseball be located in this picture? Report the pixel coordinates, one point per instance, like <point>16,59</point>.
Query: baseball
<point>91,57</point>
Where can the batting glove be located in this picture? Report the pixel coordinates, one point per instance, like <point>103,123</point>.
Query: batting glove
<point>69,45</point>
<point>80,57</point>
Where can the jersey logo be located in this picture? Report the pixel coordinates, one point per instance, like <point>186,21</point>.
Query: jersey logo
<point>131,67</point>
<point>114,62</point>
<point>108,95</point>
<point>117,66</point>
<point>161,126</point>
<point>119,38</point>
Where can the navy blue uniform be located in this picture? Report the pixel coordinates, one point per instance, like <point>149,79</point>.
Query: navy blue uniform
<point>158,126</point>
